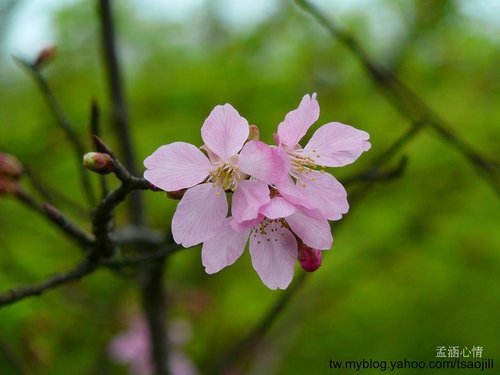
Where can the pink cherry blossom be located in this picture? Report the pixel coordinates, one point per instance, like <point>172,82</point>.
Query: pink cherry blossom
<point>332,145</point>
<point>179,165</point>
<point>273,226</point>
<point>133,349</point>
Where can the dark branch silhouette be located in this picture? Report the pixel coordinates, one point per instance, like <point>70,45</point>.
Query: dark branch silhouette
<point>56,217</point>
<point>64,124</point>
<point>100,248</point>
<point>405,100</point>
<point>95,130</point>
<point>117,97</point>
<point>153,286</point>
<point>87,266</point>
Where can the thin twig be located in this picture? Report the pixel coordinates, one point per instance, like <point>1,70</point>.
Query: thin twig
<point>405,100</point>
<point>67,226</point>
<point>102,218</point>
<point>143,236</point>
<point>64,124</point>
<point>56,217</point>
<point>51,195</point>
<point>11,356</point>
<point>152,288</point>
<point>154,304</point>
<point>117,97</point>
<point>95,130</point>
<point>121,172</point>
<point>87,266</point>
<point>374,174</point>
<point>138,260</point>
<point>102,247</point>
<point>248,344</point>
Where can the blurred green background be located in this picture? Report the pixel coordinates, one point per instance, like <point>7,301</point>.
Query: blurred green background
<point>415,264</point>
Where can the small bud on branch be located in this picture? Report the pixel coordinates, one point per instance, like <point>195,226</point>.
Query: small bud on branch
<point>309,259</point>
<point>10,166</point>
<point>45,55</point>
<point>254,133</point>
<point>99,162</point>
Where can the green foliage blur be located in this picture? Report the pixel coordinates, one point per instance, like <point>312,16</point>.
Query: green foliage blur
<point>415,263</point>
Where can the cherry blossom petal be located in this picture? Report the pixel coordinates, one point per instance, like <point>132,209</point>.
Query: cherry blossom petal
<point>292,194</point>
<point>314,232</point>
<point>336,145</point>
<point>176,166</point>
<point>274,253</point>
<point>214,159</point>
<point>225,131</point>
<point>287,165</point>
<point>248,198</point>
<point>224,248</point>
<point>244,225</point>
<point>277,208</point>
<point>261,161</point>
<point>327,194</point>
<point>200,213</point>
<point>298,121</point>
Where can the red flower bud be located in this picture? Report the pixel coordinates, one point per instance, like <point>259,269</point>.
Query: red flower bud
<point>45,56</point>
<point>310,259</point>
<point>10,166</point>
<point>99,162</point>
<point>9,186</point>
<point>254,133</point>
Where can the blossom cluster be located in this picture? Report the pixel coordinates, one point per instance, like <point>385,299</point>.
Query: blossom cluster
<point>281,198</point>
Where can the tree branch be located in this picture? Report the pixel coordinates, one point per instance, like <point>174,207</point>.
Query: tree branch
<point>375,174</point>
<point>50,195</point>
<point>248,344</point>
<point>56,217</point>
<point>117,98</point>
<point>11,356</point>
<point>138,260</point>
<point>155,309</point>
<point>95,130</point>
<point>405,100</point>
<point>63,123</point>
<point>82,269</point>
<point>102,218</point>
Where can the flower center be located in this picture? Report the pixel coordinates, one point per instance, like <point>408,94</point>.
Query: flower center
<point>226,176</point>
<point>269,229</point>
<point>303,164</point>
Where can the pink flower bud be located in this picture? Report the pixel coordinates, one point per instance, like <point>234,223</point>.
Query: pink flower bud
<point>310,259</point>
<point>276,139</point>
<point>99,162</point>
<point>45,56</point>
<point>10,166</point>
<point>254,134</point>
<point>9,186</point>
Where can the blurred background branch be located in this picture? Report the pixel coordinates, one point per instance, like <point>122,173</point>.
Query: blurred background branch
<point>34,70</point>
<point>405,100</point>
